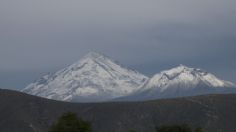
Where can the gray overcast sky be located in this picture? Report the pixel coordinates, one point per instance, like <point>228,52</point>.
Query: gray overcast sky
<point>40,36</point>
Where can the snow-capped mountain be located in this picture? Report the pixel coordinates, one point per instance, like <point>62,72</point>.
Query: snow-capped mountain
<point>97,78</point>
<point>92,79</point>
<point>181,81</point>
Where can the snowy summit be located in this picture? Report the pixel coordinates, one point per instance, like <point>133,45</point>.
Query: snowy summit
<point>94,78</point>
<point>186,77</point>
<point>179,82</point>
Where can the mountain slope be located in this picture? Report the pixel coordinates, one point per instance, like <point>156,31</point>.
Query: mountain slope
<point>25,113</point>
<point>94,78</point>
<point>181,81</point>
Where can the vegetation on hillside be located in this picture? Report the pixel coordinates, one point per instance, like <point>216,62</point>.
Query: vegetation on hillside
<point>69,122</point>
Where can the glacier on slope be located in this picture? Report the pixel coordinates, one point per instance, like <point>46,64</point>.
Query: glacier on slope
<point>179,82</point>
<point>94,78</point>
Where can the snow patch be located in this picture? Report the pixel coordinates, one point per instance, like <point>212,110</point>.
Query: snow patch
<point>86,91</point>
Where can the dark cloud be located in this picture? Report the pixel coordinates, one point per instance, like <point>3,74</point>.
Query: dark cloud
<point>46,35</point>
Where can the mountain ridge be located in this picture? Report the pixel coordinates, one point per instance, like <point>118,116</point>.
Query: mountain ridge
<point>98,78</point>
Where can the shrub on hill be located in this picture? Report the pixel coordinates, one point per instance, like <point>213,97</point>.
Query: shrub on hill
<point>69,122</point>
